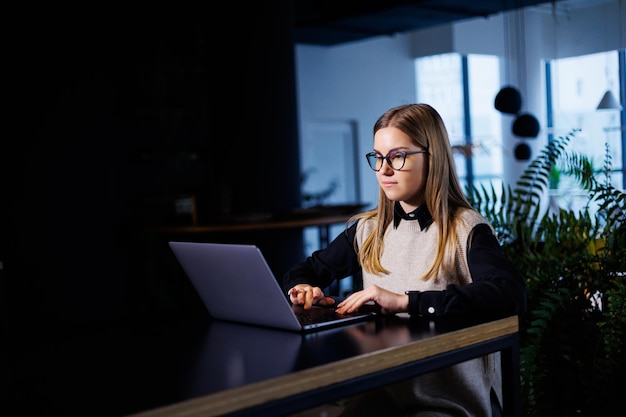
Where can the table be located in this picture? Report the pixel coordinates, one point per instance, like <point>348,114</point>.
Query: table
<point>323,224</point>
<point>162,365</point>
<point>328,366</point>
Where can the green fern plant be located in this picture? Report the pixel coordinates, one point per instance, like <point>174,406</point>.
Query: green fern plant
<point>572,338</point>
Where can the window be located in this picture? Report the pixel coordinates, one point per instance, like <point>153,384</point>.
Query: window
<point>575,86</point>
<point>462,88</point>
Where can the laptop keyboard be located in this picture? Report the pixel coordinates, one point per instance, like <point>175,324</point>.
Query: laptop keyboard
<point>318,315</point>
<point>305,318</point>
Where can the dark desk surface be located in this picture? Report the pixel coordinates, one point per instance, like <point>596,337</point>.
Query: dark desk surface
<point>173,367</point>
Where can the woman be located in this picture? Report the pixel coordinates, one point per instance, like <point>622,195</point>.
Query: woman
<point>423,250</point>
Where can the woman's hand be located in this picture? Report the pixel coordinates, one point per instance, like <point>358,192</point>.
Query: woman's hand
<point>307,296</point>
<point>389,302</point>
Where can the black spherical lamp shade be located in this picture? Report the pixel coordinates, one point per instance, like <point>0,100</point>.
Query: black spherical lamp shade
<point>526,126</point>
<point>522,152</point>
<point>508,100</point>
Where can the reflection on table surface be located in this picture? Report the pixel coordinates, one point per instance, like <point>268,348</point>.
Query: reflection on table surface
<point>128,367</point>
<point>233,354</point>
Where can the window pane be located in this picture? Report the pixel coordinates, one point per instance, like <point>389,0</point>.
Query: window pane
<point>484,84</point>
<point>578,84</point>
<point>439,82</point>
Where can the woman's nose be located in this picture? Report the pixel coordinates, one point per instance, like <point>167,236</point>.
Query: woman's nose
<point>386,168</point>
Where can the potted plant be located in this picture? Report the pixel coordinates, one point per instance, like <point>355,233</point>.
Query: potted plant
<point>573,336</point>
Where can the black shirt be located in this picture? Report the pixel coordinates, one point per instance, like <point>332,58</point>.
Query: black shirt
<point>497,288</point>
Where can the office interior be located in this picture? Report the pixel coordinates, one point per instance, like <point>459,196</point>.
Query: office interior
<point>113,120</point>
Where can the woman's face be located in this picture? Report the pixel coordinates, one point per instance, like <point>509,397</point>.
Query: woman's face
<point>407,184</point>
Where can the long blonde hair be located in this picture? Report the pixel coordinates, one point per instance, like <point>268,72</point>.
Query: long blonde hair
<point>443,194</point>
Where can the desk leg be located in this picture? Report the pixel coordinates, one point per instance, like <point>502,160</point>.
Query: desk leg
<point>511,384</point>
<point>324,230</point>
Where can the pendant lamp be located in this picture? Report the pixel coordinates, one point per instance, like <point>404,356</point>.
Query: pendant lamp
<point>608,102</point>
<point>522,152</point>
<point>508,100</point>
<point>526,125</point>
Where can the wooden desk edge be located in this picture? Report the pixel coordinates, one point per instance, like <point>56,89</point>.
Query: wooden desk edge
<point>264,225</point>
<point>273,389</point>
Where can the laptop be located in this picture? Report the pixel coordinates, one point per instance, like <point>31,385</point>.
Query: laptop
<point>236,284</point>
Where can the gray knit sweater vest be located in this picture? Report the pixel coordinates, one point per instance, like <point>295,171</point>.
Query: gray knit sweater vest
<point>463,389</point>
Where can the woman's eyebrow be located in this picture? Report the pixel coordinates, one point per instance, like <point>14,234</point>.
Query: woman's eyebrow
<point>399,148</point>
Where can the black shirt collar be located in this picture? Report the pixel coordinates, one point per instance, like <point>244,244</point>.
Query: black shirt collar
<point>421,214</point>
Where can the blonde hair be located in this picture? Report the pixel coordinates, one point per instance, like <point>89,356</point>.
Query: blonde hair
<point>443,194</point>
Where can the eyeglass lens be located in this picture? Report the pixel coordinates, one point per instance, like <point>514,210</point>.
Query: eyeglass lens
<point>394,159</point>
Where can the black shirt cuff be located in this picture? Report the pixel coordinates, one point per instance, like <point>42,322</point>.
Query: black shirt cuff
<point>413,302</point>
<point>424,303</point>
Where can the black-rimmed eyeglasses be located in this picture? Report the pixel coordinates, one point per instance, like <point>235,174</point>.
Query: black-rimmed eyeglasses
<point>395,159</point>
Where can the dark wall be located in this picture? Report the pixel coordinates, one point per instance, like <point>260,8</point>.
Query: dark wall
<point>110,123</point>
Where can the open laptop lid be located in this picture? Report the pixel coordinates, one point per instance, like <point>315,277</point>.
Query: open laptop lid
<point>235,283</point>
